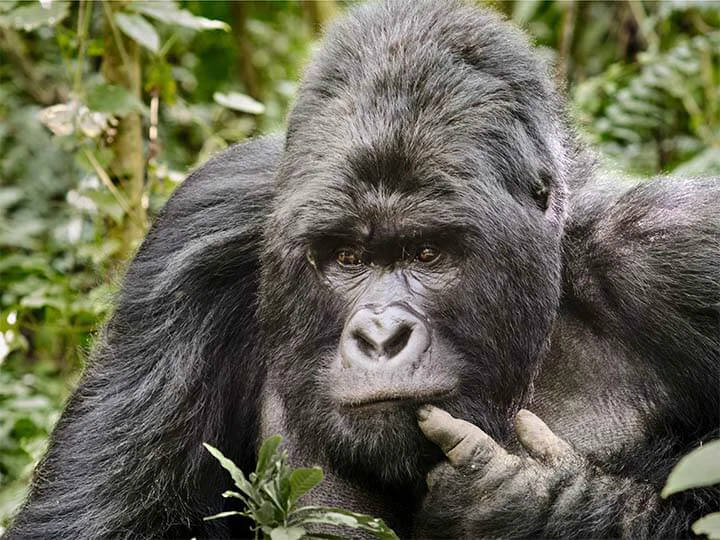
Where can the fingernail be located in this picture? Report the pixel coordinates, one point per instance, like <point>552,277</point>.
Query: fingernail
<point>423,413</point>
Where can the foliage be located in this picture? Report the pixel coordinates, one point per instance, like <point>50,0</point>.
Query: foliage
<point>271,494</point>
<point>699,468</point>
<point>644,77</point>
<point>29,408</point>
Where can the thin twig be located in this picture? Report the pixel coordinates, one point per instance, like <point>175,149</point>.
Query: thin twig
<point>107,182</point>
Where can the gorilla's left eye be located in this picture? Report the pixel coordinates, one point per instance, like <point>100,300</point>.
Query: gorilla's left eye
<point>348,257</point>
<point>428,254</point>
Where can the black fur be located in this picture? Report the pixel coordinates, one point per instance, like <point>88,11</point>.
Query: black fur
<point>417,124</point>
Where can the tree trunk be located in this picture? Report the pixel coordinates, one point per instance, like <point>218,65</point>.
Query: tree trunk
<point>121,66</point>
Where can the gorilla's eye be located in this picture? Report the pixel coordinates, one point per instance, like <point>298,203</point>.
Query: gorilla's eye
<point>428,254</point>
<point>348,257</point>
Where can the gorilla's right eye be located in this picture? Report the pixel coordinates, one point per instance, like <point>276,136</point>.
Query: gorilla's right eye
<point>348,257</point>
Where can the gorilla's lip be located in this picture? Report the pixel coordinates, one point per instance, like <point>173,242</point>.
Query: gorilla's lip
<point>391,397</point>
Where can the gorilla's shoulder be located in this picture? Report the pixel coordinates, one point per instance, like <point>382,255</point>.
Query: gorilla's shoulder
<point>239,171</point>
<point>219,209</point>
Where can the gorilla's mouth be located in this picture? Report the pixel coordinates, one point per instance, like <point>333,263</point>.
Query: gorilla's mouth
<point>392,397</point>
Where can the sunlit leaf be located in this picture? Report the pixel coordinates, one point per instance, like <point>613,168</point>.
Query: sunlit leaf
<point>239,102</point>
<point>10,196</point>
<point>303,480</point>
<point>221,515</point>
<point>136,27</point>
<point>287,533</point>
<point>235,472</point>
<point>266,453</point>
<point>708,525</point>
<point>345,518</point>
<point>701,467</point>
<point>28,17</point>
<point>168,12</point>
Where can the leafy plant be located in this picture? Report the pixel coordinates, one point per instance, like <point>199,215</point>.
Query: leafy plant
<point>270,496</point>
<point>699,468</point>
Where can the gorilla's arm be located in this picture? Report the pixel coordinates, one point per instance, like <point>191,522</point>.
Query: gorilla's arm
<point>631,381</point>
<point>175,367</point>
<point>551,492</point>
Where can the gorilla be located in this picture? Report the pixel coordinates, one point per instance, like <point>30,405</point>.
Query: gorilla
<point>428,255</point>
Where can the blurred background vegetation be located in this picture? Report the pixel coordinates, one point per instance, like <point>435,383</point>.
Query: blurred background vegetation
<point>104,106</point>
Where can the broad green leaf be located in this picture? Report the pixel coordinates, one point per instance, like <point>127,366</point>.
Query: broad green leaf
<point>236,474</point>
<point>701,467</point>
<point>270,490</point>
<point>136,27</point>
<point>28,17</point>
<point>344,518</point>
<point>287,533</point>
<point>168,12</point>
<point>266,514</point>
<point>708,525</point>
<point>303,480</point>
<point>113,99</point>
<point>267,450</point>
<point>239,102</point>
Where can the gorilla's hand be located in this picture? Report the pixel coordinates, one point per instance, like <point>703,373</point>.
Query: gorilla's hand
<point>482,490</point>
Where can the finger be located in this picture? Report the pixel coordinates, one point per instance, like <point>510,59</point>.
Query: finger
<point>461,441</point>
<point>537,438</point>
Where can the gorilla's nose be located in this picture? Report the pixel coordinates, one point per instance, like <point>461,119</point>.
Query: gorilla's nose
<point>377,335</point>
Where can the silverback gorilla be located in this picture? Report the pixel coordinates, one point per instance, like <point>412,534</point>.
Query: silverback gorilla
<point>427,256</point>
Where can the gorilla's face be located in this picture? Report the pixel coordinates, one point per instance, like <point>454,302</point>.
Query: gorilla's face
<point>401,286</point>
<point>413,255</point>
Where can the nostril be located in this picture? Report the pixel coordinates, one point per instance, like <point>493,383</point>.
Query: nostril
<point>397,341</point>
<point>367,347</point>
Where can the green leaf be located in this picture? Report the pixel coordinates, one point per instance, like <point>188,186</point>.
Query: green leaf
<point>522,12</point>
<point>239,102</point>
<point>303,480</point>
<point>287,533</point>
<point>708,525</point>
<point>136,27</point>
<point>168,12</point>
<point>113,99</point>
<point>10,196</point>
<point>7,5</point>
<point>236,474</point>
<point>701,467</point>
<point>229,513</point>
<point>267,451</point>
<point>28,17</point>
<point>344,518</point>
<point>266,514</point>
